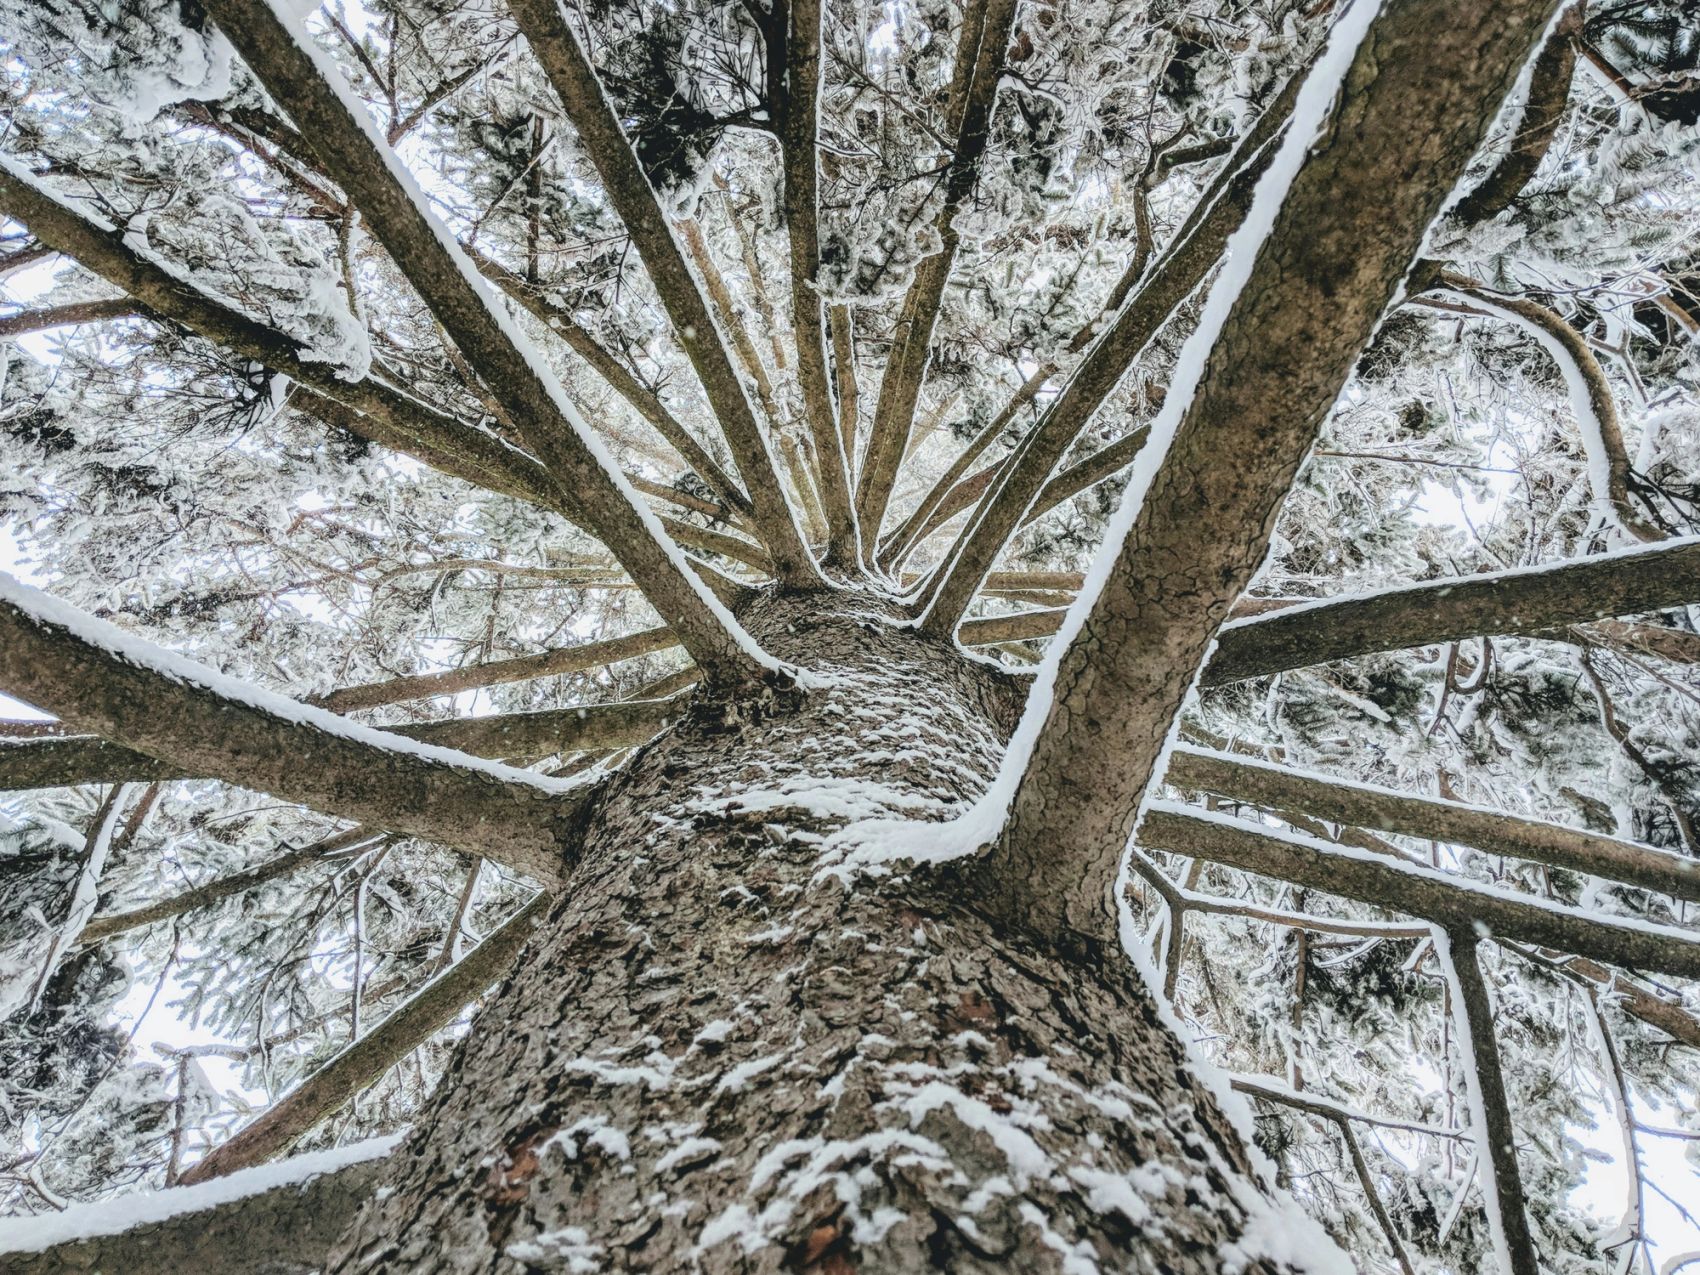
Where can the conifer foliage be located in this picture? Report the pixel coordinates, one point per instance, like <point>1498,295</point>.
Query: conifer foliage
<point>1193,505</point>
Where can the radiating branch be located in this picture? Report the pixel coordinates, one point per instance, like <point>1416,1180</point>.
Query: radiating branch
<point>1197,250</point>
<point>105,681</point>
<point>564,62</point>
<point>796,99</point>
<point>982,46</point>
<point>1526,600</point>
<point>71,314</point>
<point>1438,897</point>
<point>1549,90</point>
<point>619,378</point>
<point>341,132</point>
<point>552,663</point>
<point>1365,806</point>
<point>1279,337</point>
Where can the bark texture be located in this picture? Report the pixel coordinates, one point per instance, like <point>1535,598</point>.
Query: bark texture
<point>733,1049</point>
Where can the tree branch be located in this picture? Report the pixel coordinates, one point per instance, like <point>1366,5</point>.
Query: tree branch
<point>422,1016</point>
<point>566,659</point>
<point>1196,251</point>
<point>1496,1131</point>
<point>981,49</point>
<point>367,407</point>
<point>280,1221</point>
<point>105,681</point>
<point>1365,806</point>
<point>620,379</point>
<point>797,101</point>
<point>87,759</point>
<point>1282,337</point>
<point>564,62</point>
<point>1527,600</point>
<point>61,316</point>
<point>1549,90</point>
<point>1590,398</point>
<point>1437,897</point>
<point>341,132</point>
<point>289,862</point>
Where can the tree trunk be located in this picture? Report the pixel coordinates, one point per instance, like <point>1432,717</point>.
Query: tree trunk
<point>726,1051</point>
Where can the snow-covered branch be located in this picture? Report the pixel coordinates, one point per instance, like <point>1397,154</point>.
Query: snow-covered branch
<point>563,60</point>
<point>282,1218</point>
<point>551,663</point>
<point>61,761</point>
<point>1441,898</point>
<point>1343,801</point>
<point>1591,399</point>
<point>796,96</point>
<point>1525,600</point>
<point>341,132</point>
<point>1197,250</point>
<point>1330,235</point>
<point>983,44</point>
<point>105,681</point>
<point>1496,1129</point>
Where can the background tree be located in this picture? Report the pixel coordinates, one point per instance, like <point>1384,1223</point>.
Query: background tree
<point>885,550</point>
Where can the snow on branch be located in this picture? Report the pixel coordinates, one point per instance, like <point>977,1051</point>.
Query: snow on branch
<point>282,1216</point>
<point>1333,229</point>
<point>558,52</point>
<point>368,407</point>
<point>64,760</point>
<point>1525,600</point>
<point>1366,806</point>
<point>1490,1112</point>
<point>982,46</point>
<point>1427,893</point>
<point>340,131</point>
<point>146,698</point>
<point>1018,487</point>
<point>427,1012</point>
<point>1591,400</point>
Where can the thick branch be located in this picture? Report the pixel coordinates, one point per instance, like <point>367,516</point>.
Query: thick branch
<point>1286,331</point>
<point>1365,806</point>
<point>1549,89</point>
<point>981,49</point>
<point>563,60</point>
<point>422,1016</point>
<point>1444,900</point>
<point>61,316</point>
<point>342,134</point>
<point>1496,1131</point>
<point>280,1221</point>
<point>103,680</point>
<point>86,759</point>
<point>797,103</point>
<point>1526,600</point>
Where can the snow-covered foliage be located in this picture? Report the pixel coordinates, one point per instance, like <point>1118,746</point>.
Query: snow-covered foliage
<point>203,501</point>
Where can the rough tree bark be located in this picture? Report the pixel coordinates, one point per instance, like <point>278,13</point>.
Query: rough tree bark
<point>726,1052</point>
